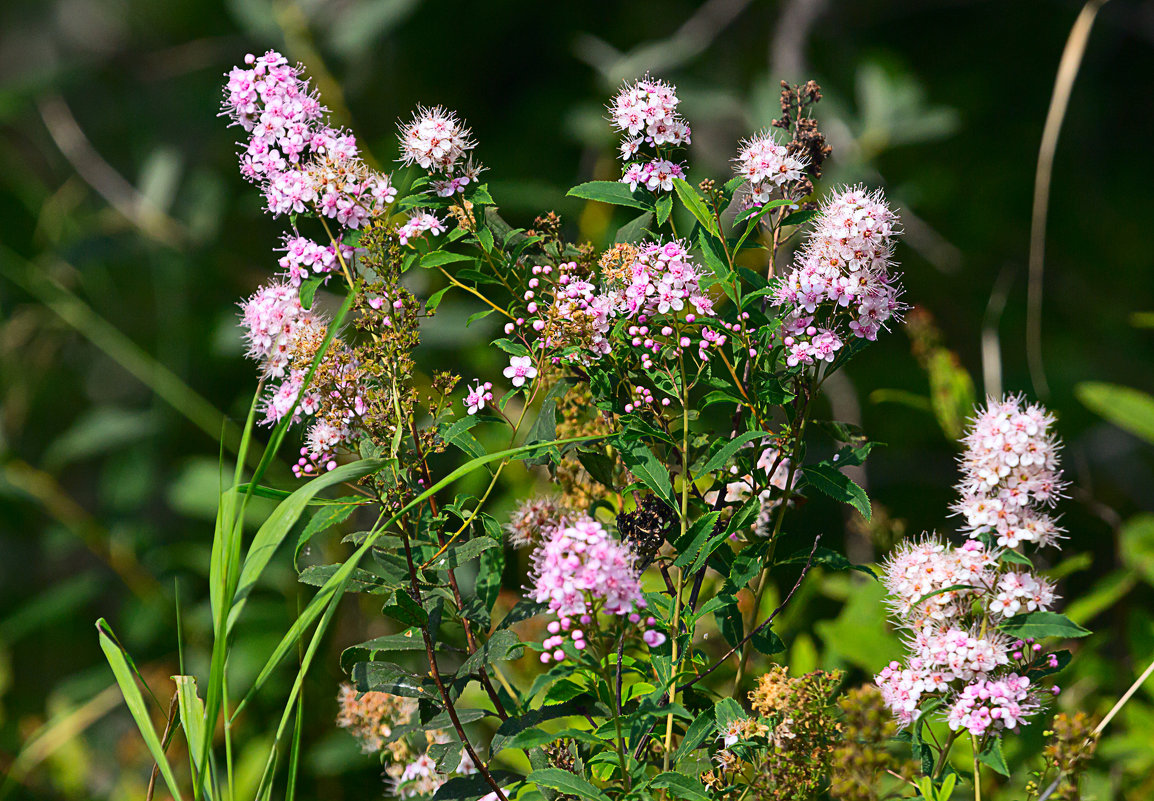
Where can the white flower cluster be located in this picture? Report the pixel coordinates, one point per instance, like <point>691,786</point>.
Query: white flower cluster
<point>646,113</point>
<point>1010,474</point>
<point>952,599</point>
<point>435,140</point>
<point>767,165</point>
<point>841,284</point>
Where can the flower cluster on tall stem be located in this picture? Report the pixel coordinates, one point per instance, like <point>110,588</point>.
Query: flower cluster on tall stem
<point>955,600</point>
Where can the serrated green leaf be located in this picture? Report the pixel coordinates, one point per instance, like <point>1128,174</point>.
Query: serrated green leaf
<point>613,192</point>
<point>567,782</point>
<point>832,482</point>
<point>1041,624</point>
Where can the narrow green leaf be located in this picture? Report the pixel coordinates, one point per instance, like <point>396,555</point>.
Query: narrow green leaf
<point>613,192</point>
<point>439,258</point>
<point>270,535</point>
<point>191,719</point>
<point>726,452</point>
<point>693,201</point>
<point>1042,624</point>
<point>136,706</point>
<point>664,208</point>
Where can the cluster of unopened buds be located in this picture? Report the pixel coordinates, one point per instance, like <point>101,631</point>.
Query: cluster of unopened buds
<point>646,113</point>
<point>644,398</point>
<point>309,466</point>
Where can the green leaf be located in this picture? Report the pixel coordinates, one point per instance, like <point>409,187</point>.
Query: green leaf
<point>634,230</point>
<point>664,208</point>
<point>613,192</point>
<point>478,316</point>
<point>648,469</point>
<point>566,782</point>
<point>118,661</point>
<point>308,291</point>
<point>992,755</point>
<point>501,647</point>
<point>191,718</point>
<point>434,299</point>
<point>1128,408</point>
<point>322,520</point>
<point>826,558</point>
<point>406,610</point>
<point>464,552</point>
<point>693,201</point>
<point>489,576</point>
<point>951,588</point>
<point>681,786</point>
<point>832,482</point>
<point>1042,624</point>
<point>439,258</point>
<point>270,535</point>
<point>726,452</point>
<point>799,217</point>
<point>598,465</point>
<point>727,711</point>
<point>695,735</point>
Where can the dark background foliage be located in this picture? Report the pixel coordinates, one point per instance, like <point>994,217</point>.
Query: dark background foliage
<point>127,237</point>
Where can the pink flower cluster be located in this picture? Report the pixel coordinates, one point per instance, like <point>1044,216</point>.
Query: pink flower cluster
<point>581,570</point>
<point>1010,473</point>
<point>304,258</point>
<point>841,283</point>
<point>917,568</point>
<point>766,165</point>
<point>662,280</point>
<point>298,160</point>
<point>646,113</point>
<point>478,395</point>
<point>418,223</point>
<point>436,141</point>
<point>952,599</point>
<point>1001,703</point>
<point>273,320</point>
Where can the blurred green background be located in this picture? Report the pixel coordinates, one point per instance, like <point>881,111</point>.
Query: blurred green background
<point>128,236</point>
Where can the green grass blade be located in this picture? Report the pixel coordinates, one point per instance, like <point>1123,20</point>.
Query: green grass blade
<point>118,661</point>
<point>331,591</point>
<point>191,720</point>
<point>270,535</point>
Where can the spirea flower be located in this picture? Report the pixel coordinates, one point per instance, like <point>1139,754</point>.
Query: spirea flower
<point>766,165</point>
<point>300,162</point>
<point>418,223</point>
<point>305,258</point>
<point>929,567</point>
<point>434,140</point>
<point>520,370</point>
<point>583,569</point>
<point>478,395</point>
<point>1010,473</point>
<point>646,113</point>
<point>662,279</point>
<point>371,716</point>
<point>999,704</point>
<point>841,284</point>
<point>954,599</point>
<point>273,319</point>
